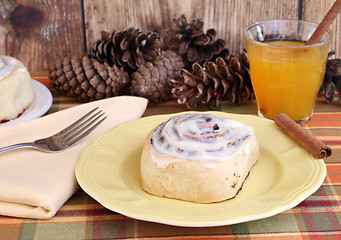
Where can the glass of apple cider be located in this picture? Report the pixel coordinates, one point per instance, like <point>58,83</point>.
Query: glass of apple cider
<point>286,74</point>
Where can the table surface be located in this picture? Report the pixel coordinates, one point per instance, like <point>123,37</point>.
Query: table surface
<point>317,217</point>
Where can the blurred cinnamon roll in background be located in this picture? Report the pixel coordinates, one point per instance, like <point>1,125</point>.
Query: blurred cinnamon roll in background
<point>198,157</point>
<point>16,90</point>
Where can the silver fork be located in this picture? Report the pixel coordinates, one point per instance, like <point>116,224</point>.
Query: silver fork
<point>67,137</point>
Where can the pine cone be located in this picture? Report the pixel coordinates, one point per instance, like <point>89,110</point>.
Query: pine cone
<point>241,67</point>
<point>129,49</point>
<point>190,41</point>
<point>88,79</point>
<point>214,82</point>
<point>332,80</point>
<point>152,80</point>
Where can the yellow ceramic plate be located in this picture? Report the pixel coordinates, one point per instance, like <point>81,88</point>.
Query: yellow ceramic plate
<point>109,171</point>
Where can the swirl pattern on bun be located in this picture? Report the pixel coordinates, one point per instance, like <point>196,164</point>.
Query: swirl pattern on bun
<point>200,137</point>
<point>7,66</point>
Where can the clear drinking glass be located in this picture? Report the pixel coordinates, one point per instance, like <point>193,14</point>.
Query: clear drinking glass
<point>285,73</point>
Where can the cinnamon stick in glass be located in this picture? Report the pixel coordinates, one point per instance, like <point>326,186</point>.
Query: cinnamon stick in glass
<point>323,26</point>
<point>317,148</point>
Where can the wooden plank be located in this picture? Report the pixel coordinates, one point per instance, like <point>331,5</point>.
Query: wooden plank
<point>315,10</point>
<point>228,17</point>
<point>58,32</point>
<point>38,32</point>
<point>147,15</point>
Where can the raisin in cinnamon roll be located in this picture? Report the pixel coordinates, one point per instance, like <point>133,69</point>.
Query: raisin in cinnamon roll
<point>16,90</point>
<point>198,157</point>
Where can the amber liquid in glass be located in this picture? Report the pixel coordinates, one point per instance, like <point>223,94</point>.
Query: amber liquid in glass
<point>286,79</point>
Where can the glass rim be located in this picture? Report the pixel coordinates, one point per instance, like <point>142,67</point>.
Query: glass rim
<point>328,39</point>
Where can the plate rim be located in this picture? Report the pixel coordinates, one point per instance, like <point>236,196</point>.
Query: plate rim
<point>320,176</point>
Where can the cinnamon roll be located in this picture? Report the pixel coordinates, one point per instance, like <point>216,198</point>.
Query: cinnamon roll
<point>16,90</point>
<point>198,157</point>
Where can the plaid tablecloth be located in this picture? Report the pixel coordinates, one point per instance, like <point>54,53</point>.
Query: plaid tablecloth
<point>318,217</point>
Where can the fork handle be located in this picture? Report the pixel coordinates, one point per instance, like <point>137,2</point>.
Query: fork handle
<point>16,146</point>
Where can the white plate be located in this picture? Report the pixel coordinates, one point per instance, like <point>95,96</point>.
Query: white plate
<point>41,104</point>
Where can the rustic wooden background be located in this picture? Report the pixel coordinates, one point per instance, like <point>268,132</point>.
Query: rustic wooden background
<point>38,32</point>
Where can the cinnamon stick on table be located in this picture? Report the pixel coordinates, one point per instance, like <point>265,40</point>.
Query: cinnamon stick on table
<point>317,148</point>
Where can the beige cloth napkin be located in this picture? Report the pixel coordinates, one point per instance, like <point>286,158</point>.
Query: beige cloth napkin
<point>34,184</point>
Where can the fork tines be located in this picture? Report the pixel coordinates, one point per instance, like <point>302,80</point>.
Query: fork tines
<point>82,127</point>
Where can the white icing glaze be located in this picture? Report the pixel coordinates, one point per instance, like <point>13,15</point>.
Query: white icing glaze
<point>8,65</point>
<point>200,137</point>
